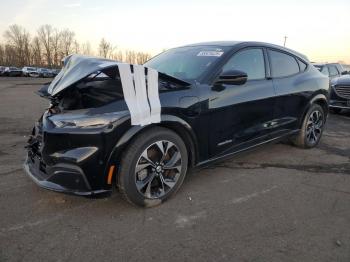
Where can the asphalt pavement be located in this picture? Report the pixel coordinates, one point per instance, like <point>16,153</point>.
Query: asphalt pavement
<point>276,203</point>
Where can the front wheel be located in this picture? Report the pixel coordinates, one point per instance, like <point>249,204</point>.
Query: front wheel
<point>153,167</point>
<point>312,128</point>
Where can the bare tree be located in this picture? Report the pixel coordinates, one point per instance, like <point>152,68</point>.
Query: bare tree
<point>119,56</point>
<point>45,33</point>
<point>130,56</point>
<point>36,52</point>
<point>105,48</point>
<point>86,49</point>
<point>18,38</point>
<point>56,37</point>
<point>67,40</point>
<point>76,47</point>
<point>10,55</point>
<point>2,54</point>
<point>142,57</point>
<point>50,45</point>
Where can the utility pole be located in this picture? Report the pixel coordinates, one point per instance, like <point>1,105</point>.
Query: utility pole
<point>285,41</point>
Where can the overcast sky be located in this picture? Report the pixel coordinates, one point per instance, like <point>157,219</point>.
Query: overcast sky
<point>320,29</point>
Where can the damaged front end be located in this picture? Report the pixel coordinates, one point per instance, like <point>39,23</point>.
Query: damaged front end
<point>71,145</point>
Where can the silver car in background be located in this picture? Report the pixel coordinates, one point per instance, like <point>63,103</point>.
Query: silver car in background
<point>30,71</point>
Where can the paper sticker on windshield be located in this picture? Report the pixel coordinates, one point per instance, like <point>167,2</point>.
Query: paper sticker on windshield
<point>210,53</point>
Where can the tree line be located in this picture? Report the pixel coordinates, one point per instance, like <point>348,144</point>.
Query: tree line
<point>50,45</point>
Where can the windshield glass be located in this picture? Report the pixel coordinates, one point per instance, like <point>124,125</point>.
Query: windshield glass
<point>187,63</point>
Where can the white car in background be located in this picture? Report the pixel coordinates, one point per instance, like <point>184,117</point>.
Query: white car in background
<point>30,71</point>
<point>2,69</point>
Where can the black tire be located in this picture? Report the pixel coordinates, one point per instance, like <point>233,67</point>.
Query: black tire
<point>132,187</point>
<point>304,139</point>
<point>335,110</point>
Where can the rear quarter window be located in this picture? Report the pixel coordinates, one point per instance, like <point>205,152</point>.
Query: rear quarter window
<point>282,64</point>
<point>302,65</point>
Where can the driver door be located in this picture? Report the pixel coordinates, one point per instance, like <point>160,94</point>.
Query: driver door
<point>241,115</point>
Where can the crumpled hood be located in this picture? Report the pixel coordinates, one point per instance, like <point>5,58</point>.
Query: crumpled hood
<point>77,67</point>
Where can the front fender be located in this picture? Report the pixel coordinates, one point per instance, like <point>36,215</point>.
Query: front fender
<point>175,123</point>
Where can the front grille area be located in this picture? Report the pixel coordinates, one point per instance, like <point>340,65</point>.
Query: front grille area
<point>343,91</point>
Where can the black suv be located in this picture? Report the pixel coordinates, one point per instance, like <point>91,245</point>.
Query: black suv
<point>201,103</point>
<point>340,85</point>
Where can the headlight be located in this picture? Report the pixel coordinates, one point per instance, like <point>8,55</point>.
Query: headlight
<point>83,121</point>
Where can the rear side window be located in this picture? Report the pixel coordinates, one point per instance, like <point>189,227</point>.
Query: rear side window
<point>333,70</point>
<point>250,61</point>
<point>283,65</point>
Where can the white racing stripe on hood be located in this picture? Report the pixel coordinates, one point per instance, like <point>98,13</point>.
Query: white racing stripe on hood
<point>141,96</point>
<point>153,95</point>
<point>143,102</point>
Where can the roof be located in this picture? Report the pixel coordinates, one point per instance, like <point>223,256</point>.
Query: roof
<point>234,43</point>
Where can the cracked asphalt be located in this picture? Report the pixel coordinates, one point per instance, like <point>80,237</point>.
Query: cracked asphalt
<point>277,203</point>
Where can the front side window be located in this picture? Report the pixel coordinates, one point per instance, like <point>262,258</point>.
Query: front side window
<point>283,65</point>
<point>250,61</point>
<point>333,70</point>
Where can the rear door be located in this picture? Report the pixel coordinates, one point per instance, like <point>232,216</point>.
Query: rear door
<point>240,115</point>
<point>286,72</point>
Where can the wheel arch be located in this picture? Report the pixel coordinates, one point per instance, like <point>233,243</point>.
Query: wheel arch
<point>173,123</point>
<point>320,99</point>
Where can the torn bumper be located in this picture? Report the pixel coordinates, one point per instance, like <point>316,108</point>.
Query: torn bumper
<point>64,178</point>
<point>63,169</point>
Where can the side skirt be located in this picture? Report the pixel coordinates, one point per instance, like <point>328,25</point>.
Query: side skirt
<point>229,155</point>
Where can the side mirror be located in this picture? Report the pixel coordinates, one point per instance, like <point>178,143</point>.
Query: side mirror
<point>232,77</point>
<point>345,72</point>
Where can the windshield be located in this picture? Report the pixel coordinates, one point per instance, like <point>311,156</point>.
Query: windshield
<point>187,63</point>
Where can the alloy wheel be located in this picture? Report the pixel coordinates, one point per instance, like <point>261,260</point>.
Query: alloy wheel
<point>158,169</point>
<point>314,127</point>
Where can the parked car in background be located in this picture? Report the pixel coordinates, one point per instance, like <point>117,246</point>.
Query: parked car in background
<point>55,72</point>
<point>216,99</point>
<point>12,71</point>
<point>44,72</point>
<point>2,69</point>
<point>27,70</point>
<point>332,70</point>
<point>339,92</point>
<point>34,73</point>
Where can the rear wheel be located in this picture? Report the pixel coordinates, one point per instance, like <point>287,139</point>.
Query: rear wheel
<point>312,128</point>
<point>153,167</point>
